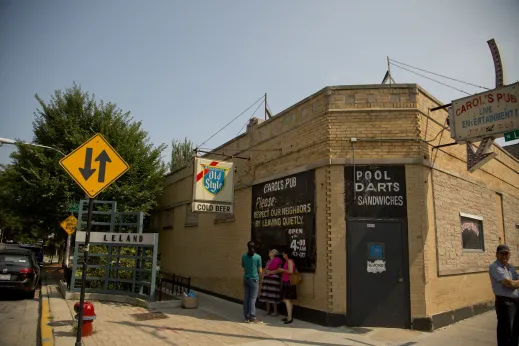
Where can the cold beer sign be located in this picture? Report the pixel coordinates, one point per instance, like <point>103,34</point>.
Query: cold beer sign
<point>213,187</point>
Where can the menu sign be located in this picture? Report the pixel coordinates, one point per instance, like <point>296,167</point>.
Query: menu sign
<point>376,191</point>
<point>283,216</point>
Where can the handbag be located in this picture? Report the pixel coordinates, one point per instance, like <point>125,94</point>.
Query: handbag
<point>295,278</point>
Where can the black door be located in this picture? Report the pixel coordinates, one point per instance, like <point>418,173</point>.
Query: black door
<point>378,293</point>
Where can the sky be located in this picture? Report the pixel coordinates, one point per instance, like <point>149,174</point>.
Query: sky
<point>186,68</point>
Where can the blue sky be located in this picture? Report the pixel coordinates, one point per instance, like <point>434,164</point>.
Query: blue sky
<point>186,68</point>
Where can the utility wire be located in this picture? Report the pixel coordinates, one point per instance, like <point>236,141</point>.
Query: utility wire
<point>250,118</point>
<point>439,75</point>
<point>434,80</point>
<point>230,122</point>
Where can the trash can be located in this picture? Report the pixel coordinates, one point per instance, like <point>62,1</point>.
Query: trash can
<point>189,302</point>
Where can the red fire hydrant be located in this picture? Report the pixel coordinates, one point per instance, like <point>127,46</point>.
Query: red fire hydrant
<point>88,318</point>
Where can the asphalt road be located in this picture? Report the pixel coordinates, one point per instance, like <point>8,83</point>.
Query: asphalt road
<point>18,320</point>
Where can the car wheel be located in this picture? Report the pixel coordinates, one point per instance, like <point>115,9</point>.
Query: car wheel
<point>30,294</point>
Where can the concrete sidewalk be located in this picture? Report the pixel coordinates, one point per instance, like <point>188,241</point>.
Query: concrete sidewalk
<point>219,322</point>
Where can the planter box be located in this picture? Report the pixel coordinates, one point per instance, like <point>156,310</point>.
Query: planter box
<point>190,302</point>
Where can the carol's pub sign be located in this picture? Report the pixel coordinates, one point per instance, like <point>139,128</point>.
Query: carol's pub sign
<point>213,186</point>
<point>375,191</point>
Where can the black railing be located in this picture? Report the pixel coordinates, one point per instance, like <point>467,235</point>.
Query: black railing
<point>173,285</point>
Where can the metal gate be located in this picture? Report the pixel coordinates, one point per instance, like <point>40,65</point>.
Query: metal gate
<point>123,269</point>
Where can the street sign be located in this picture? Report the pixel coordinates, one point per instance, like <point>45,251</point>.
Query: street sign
<point>94,165</point>
<point>74,208</point>
<point>511,136</point>
<point>69,224</point>
<point>488,114</point>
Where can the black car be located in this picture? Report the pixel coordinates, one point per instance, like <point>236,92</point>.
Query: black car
<point>37,250</point>
<point>19,270</point>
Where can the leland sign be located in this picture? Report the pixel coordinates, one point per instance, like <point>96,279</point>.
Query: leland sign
<point>118,238</point>
<point>213,186</point>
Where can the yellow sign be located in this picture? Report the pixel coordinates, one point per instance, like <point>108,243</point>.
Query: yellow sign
<point>94,165</point>
<point>69,224</point>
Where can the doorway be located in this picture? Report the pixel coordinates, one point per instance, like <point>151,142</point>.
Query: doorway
<point>377,274</point>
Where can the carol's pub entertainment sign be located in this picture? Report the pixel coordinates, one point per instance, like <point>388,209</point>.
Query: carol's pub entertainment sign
<point>375,191</point>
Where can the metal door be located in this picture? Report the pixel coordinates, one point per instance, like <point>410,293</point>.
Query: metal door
<point>377,271</point>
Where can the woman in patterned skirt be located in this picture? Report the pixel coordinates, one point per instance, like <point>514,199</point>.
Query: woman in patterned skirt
<point>271,285</point>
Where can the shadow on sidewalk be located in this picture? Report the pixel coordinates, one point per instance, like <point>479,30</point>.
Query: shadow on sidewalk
<point>250,337</point>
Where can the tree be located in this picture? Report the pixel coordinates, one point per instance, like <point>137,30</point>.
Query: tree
<point>181,154</point>
<point>41,192</point>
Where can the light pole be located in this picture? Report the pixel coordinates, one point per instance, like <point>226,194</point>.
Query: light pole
<point>14,142</point>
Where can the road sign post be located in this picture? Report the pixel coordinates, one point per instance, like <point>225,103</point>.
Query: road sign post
<point>80,164</point>
<point>69,225</point>
<point>83,274</point>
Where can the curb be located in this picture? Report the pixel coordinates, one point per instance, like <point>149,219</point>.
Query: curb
<point>46,332</point>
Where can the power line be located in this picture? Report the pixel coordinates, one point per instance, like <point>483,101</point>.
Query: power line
<point>439,75</point>
<point>230,122</point>
<point>250,118</point>
<point>434,80</point>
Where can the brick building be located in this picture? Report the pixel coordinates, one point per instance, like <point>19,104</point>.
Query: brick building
<point>387,229</point>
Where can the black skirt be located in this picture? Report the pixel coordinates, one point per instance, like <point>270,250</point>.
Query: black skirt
<point>288,291</point>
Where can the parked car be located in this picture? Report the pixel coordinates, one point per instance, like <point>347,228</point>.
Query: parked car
<point>37,250</point>
<point>19,270</point>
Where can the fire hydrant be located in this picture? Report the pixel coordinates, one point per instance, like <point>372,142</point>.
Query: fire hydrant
<point>88,318</point>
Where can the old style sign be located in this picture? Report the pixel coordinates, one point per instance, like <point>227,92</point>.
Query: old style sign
<point>489,114</point>
<point>213,186</point>
<point>69,224</point>
<point>94,165</point>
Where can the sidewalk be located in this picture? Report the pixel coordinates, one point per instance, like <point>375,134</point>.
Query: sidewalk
<point>219,322</point>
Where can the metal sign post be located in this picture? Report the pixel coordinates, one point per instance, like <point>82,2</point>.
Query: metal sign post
<point>79,164</point>
<point>83,274</point>
<point>483,154</point>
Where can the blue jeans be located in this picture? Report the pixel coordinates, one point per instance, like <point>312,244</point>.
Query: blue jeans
<point>249,301</point>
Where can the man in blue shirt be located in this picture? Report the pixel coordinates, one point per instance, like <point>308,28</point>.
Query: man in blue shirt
<point>505,285</point>
<point>251,263</point>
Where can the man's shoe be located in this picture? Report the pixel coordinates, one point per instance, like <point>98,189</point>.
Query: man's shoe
<point>255,320</point>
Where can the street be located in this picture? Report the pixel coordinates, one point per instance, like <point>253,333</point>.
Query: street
<point>18,320</point>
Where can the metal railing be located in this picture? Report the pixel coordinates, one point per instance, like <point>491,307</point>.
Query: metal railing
<point>173,285</point>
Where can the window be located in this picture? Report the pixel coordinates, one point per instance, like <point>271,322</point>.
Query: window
<point>168,220</point>
<point>191,218</point>
<point>472,232</point>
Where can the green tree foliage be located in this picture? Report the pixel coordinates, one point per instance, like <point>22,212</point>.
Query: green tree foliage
<point>181,154</point>
<point>40,192</point>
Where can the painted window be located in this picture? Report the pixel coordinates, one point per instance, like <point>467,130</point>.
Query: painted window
<point>472,232</point>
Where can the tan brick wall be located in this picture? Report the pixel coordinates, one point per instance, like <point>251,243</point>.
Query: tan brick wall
<point>416,220</point>
<point>336,238</point>
<point>191,251</point>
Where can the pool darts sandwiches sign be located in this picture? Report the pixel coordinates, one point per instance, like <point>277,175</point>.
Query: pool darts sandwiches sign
<point>213,186</point>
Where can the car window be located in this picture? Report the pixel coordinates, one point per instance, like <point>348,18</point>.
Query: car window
<point>15,260</point>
